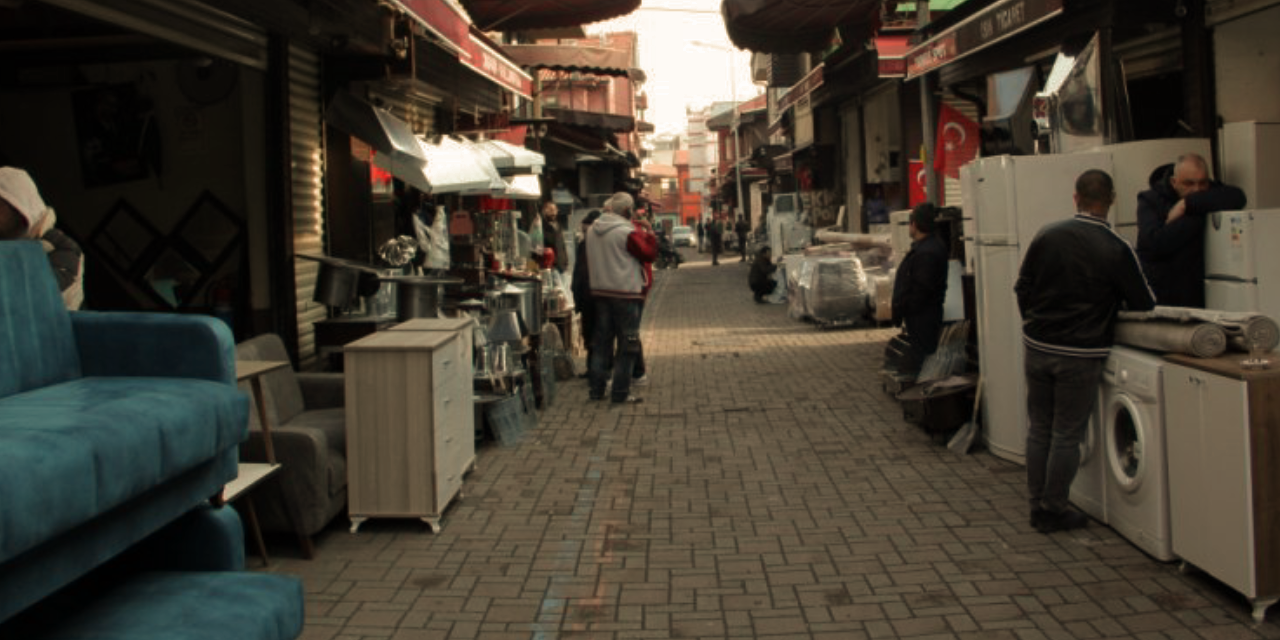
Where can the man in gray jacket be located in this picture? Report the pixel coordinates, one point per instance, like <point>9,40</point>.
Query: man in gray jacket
<point>615,249</point>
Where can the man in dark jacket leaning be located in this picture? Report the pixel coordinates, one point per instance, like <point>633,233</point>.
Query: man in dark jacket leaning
<point>1171,218</point>
<point>1074,278</point>
<point>920,287</point>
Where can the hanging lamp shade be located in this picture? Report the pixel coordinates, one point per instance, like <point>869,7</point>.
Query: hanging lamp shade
<point>523,15</point>
<point>505,327</point>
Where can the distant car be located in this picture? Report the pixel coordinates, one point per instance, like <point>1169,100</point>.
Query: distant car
<point>682,236</point>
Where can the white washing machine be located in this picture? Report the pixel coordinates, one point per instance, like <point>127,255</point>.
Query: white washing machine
<point>1089,490</point>
<point>1137,472</point>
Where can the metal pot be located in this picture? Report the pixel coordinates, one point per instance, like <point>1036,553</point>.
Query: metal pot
<point>526,297</point>
<point>419,296</point>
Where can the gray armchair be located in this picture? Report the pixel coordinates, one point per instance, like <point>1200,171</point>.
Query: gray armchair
<point>308,428</point>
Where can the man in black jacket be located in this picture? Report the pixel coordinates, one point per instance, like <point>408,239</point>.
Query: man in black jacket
<point>1074,278</point>
<point>920,287</point>
<point>583,301</point>
<point>1171,218</point>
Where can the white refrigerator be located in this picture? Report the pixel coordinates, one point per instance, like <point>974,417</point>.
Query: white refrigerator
<point>1241,264</point>
<point>1010,198</point>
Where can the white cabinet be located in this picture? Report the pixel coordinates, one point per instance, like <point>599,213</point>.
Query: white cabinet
<point>1224,472</point>
<point>410,424</point>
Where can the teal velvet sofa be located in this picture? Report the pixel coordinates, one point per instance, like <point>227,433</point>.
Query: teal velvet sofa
<point>113,427</point>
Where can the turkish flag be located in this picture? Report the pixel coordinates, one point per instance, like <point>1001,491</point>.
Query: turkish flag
<point>917,190</point>
<point>957,144</point>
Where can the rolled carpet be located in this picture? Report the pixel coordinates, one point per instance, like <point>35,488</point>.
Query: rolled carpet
<point>1259,330</point>
<point>1202,340</point>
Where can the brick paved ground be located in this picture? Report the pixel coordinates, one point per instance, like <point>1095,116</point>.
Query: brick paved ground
<point>767,488</point>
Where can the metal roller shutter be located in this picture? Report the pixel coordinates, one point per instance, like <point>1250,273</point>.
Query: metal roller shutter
<point>307,159</point>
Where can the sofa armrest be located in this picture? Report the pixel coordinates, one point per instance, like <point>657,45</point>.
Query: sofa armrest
<point>303,488</point>
<point>154,344</point>
<point>322,390</point>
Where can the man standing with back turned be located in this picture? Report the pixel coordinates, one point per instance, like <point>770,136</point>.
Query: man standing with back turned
<point>1074,278</point>
<point>616,249</point>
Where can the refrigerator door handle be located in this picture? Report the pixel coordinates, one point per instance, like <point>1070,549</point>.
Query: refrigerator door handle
<point>1222,277</point>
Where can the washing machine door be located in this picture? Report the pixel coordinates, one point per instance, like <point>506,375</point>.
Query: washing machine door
<point>1126,440</point>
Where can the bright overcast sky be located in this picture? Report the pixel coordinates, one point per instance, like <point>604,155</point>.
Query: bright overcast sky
<point>679,72</point>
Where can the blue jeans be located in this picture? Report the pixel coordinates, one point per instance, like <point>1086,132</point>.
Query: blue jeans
<point>1062,392</point>
<point>617,327</point>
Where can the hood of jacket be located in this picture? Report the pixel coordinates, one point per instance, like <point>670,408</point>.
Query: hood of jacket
<point>610,222</point>
<point>1159,182</point>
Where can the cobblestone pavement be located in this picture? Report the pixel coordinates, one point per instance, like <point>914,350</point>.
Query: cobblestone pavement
<point>766,488</point>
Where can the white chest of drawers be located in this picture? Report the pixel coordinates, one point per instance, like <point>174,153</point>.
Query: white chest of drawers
<point>410,424</point>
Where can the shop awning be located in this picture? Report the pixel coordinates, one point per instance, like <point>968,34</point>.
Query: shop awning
<point>979,31</point>
<point>521,15</point>
<point>562,57</point>
<point>798,91</point>
<point>392,138</point>
<point>796,26</point>
<point>524,187</point>
<point>592,119</point>
<point>454,32</point>
<point>510,159</point>
<point>892,52</point>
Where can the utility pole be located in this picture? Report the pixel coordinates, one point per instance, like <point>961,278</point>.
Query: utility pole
<point>926,116</point>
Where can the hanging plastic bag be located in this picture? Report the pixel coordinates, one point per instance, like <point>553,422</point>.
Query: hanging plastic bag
<point>538,243</point>
<point>434,240</point>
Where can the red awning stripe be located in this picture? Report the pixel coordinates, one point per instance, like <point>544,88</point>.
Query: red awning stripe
<point>445,20</point>
<point>523,15</point>
<point>558,57</point>
<point>795,26</point>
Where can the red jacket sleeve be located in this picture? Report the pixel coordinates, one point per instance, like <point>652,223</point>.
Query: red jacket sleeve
<point>643,245</point>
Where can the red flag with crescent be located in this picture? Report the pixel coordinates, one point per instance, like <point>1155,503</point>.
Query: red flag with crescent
<point>958,140</point>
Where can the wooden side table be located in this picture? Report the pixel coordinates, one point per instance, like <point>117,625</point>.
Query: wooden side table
<point>251,474</point>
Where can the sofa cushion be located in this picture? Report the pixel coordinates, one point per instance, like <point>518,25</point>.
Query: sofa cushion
<point>37,346</point>
<point>227,605</point>
<point>72,451</point>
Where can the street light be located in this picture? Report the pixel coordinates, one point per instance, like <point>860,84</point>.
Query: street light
<point>734,123</point>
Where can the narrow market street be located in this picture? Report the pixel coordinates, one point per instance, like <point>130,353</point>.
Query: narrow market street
<point>766,488</point>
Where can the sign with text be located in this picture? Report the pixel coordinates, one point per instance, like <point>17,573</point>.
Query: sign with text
<point>983,29</point>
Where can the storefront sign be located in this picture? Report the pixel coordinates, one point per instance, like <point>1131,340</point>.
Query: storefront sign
<point>800,89</point>
<point>446,19</point>
<point>981,30</point>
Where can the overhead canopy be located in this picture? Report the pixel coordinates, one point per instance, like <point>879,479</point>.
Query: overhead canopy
<point>392,138</point>
<point>522,15</point>
<point>796,26</point>
<point>592,119</point>
<point>561,57</point>
<point>512,159</point>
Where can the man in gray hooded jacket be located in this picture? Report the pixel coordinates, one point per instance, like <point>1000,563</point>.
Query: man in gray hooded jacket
<point>616,248</point>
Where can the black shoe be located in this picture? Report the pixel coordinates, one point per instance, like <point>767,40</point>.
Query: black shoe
<point>1049,522</point>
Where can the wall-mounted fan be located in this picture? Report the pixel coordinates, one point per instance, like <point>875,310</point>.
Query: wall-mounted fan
<point>206,81</point>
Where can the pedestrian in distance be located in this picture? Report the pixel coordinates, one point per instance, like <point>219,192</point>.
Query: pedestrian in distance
<point>1076,276</point>
<point>760,279</point>
<point>715,237</point>
<point>741,229</point>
